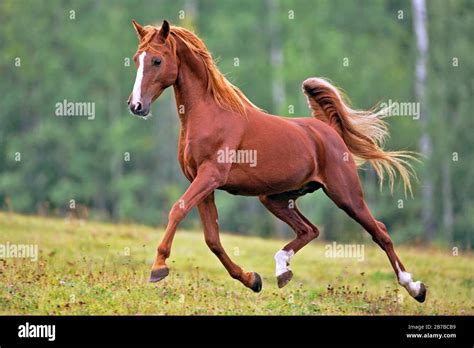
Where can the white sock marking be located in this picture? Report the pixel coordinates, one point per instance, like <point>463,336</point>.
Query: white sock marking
<point>137,87</point>
<point>405,279</point>
<point>282,260</point>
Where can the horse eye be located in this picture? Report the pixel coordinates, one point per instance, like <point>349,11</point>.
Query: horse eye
<point>156,61</point>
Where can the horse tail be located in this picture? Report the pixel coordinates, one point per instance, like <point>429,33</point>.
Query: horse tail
<point>364,132</point>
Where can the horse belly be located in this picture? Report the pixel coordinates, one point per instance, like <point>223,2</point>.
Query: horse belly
<point>267,180</point>
<point>284,159</point>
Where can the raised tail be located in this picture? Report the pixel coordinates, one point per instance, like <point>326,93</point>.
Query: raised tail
<point>363,132</point>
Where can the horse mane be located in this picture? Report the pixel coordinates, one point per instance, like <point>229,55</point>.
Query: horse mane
<point>224,93</point>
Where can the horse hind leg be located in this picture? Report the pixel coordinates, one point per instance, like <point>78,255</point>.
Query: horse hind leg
<point>345,191</point>
<point>284,208</point>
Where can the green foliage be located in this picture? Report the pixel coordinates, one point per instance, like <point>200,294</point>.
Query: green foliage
<point>83,59</point>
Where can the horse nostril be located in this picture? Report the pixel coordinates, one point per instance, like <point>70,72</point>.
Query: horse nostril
<point>138,107</point>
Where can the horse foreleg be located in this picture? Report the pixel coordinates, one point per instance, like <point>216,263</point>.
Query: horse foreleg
<point>284,208</point>
<point>208,212</point>
<point>207,180</point>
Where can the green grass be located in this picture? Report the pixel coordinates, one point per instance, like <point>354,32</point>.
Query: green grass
<point>95,268</point>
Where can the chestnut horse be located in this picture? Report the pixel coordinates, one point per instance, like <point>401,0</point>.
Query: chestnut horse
<point>296,156</point>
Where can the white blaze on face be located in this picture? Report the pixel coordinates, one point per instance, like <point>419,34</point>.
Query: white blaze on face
<point>405,280</point>
<point>137,87</point>
<point>282,261</point>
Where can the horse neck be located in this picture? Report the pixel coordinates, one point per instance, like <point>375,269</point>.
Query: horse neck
<point>190,88</point>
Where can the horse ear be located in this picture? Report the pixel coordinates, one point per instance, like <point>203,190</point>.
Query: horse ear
<point>164,30</point>
<point>139,29</point>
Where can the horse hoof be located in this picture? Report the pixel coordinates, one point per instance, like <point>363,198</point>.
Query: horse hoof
<point>422,295</point>
<point>284,278</point>
<point>257,283</point>
<point>158,274</point>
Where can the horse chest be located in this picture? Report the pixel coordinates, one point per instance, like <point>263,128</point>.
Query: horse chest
<point>195,149</point>
<point>187,161</point>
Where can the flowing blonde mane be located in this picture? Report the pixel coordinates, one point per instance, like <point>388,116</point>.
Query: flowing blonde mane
<point>225,93</point>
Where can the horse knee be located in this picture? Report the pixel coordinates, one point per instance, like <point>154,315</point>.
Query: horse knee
<point>177,213</point>
<point>214,245</point>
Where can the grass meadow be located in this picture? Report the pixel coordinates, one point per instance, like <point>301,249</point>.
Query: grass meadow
<point>96,268</point>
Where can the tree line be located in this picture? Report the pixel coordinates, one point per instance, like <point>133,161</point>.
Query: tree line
<point>117,167</point>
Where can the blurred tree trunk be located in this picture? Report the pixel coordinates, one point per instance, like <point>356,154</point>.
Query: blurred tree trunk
<point>419,22</point>
<point>278,83</point>
<point>276,55</point>
<point>448,218</point>
<point>449,94</point>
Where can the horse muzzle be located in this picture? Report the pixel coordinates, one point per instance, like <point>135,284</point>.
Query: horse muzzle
<point>139,108</point>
